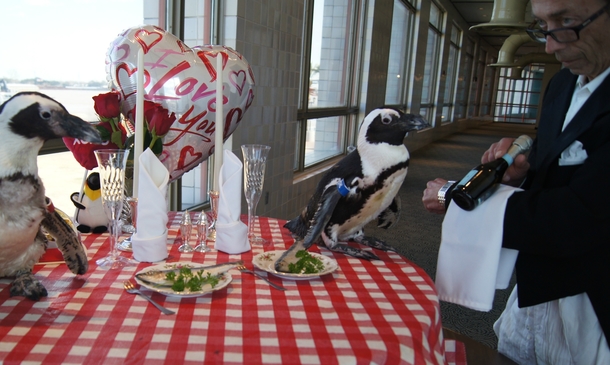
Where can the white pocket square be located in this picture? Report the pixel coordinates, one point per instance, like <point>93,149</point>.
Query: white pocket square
<point>573,155</point>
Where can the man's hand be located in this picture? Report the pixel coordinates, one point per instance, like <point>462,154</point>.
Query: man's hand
<point>430,198</point>
<point>517,171</point>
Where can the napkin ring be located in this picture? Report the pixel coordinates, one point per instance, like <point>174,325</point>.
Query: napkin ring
<point>443,192</point>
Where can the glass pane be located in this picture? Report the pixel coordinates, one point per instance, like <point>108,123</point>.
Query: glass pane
<point>487,90</point>
<point>456,35</point>
<point>446,115</point>
<point>424,112</point>
<point>399,55</point>
<point>429,82</point>
<point>197,27</point>
<point>324,139</point>
<point>329,45</point>
<point>450,80</point>
<point>435,16</point>
<point>462,86</point>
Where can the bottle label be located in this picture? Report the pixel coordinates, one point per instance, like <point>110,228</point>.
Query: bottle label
<point>468,176</point>
<point>508,158</point>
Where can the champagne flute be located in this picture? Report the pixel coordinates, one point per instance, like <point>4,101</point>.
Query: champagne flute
<point>255,159</point>
<point>202,233</point>
<point>111,164</point>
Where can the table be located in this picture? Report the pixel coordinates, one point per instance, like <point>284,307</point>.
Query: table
<point>382,312</point>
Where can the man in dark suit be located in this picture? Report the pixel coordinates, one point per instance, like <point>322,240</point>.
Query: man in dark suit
<point>559,223</point>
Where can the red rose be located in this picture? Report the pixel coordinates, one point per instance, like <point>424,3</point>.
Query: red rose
<point>157,117</point>
<point>160,122</point>
<point>107,105</point>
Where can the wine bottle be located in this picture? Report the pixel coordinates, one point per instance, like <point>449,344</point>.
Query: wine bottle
<point>482,181</point>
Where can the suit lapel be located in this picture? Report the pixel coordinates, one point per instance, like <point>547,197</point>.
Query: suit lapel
<point>597,104</point>
<point>553,115</point>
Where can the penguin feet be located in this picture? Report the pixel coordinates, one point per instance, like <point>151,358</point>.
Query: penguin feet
<point>374,243</point>
<point>26,285</point>
<point>353,251</point>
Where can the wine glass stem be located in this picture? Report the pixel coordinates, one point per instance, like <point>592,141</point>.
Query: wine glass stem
<point>114,237</point>
<point>251,210</point>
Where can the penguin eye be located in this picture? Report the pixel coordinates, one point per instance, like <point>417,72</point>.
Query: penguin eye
<point>45,115</point>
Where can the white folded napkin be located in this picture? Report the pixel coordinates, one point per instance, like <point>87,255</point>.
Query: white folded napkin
<point>231,232</point>
<point>149,243</point>
<point>471,261</point>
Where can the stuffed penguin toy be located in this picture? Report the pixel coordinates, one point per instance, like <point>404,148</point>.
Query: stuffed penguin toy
<point>361,187</point>
<point>89,214</point>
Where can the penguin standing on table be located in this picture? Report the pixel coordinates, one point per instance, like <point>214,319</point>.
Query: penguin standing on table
<point>359,188</point>
<point>27,120</point>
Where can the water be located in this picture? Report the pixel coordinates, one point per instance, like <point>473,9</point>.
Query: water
<point>78,102</point>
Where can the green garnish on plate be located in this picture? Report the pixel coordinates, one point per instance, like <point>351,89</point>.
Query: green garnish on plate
<point>306,264</point>
<point>193,282</point>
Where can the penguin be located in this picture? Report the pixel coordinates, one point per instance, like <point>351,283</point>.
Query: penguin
<point>27,120</point>
<point>90,214</point>
<point>361,187</point>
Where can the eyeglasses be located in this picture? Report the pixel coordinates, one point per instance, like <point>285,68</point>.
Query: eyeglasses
<point>562,35</point>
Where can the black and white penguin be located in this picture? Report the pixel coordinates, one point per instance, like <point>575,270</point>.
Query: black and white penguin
<point>27,120</point>
<point>359,188</point>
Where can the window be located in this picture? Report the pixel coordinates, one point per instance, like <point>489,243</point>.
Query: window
<point>464,79</point>
<point>400,55</point>
<point>488,83</point>
<point>197,28</point>
<point>433,50</point>
<point>451,74</point>
<point>75,39</point>
<point>79,74</point>
<point>475,87</point>
<point>326,110</point>
<point>518,96</point>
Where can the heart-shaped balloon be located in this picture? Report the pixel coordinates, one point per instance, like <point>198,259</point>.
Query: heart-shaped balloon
<point>183,80</point>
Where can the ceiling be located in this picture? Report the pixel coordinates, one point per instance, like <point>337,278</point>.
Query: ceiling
<point>477,12</point>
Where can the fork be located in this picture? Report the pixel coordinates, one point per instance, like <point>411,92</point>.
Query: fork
<point>132,290</point>
<point>242,268</point>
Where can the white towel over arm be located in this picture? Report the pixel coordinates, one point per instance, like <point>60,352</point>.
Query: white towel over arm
<point>471,261</point>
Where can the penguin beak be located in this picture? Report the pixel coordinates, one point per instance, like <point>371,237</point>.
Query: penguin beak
<point>64,124</point>
<point>416,122</point>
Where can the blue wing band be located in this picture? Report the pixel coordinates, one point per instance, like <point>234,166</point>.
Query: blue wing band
<point>343,189</point>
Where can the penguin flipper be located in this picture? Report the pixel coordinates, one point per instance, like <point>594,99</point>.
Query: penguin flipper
<point>390,215</point>
<point>353,251</point>
<point>26,285</point>
<point>68,242</point>
<point>375,243</point>
<point>320,219</point>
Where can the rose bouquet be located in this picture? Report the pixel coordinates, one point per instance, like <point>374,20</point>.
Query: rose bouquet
<point>118,132</point>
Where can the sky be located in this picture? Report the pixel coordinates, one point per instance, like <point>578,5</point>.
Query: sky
<point>62,40</point>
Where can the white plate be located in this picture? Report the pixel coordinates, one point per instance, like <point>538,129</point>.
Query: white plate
<point>266,262</point>
<point>224,280</point>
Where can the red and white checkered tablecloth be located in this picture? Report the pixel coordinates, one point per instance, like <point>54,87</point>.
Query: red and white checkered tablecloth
<point>378,312</point>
